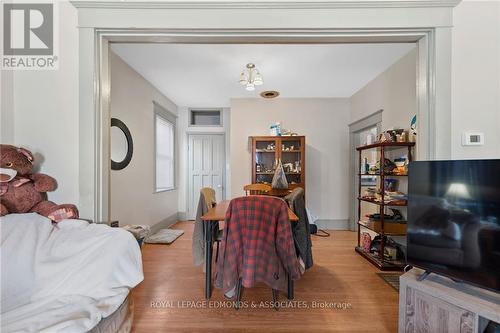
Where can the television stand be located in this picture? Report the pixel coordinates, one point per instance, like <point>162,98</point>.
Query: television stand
<point>422,276</point>
<point>438,304</point>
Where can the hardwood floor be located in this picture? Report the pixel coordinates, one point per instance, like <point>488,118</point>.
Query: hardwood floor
<point>339,275</point>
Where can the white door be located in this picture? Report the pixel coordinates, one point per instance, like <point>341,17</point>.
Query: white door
<point>206,167</point>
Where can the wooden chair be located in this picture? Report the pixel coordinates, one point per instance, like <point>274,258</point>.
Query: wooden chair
<point>210,201</point>
<point>257,189</point>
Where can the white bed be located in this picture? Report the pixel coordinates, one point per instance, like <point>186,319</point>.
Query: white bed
<point>63,278</point>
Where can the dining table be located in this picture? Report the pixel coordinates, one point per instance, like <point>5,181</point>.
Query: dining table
<point>211,220</point>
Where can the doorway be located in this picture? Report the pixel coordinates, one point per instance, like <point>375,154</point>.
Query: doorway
<point>425,74</point>
<point>359,131</point>
<point>206,165</point>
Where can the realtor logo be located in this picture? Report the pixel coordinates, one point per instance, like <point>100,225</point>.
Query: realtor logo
<point>28,36</point>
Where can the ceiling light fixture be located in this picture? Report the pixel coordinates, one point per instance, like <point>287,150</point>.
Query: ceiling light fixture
<point>250,77</point>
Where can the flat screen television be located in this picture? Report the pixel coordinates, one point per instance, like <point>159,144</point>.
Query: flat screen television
<point>454,220</point>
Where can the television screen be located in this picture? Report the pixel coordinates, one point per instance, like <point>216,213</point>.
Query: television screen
<point>454,220</point>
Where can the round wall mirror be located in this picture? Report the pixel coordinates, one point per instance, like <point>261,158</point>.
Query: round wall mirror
<point>121,147</point>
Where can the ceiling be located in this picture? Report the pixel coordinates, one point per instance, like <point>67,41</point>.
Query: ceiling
<point>206,75</point>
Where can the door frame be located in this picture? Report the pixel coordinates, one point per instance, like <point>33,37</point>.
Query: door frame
<point>95,87</point>
<point>224,179</point>
<point>370,121</point>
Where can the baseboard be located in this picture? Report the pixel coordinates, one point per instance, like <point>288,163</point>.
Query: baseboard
<point>328,224</point>
<point>182,216</point>
<point>165,223</point>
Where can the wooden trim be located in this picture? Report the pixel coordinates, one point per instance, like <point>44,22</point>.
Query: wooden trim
<point>367,121</point>
<point>265,4</point>
<point>165,223</point>
<point>162,112</point>
<point>221,117</point>
<point>94,82</point>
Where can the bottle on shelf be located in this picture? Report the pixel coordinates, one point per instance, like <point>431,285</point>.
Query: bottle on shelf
<point>366,166</point>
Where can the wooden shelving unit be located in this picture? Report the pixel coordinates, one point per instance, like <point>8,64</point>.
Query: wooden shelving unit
<point>288,149</point>
<point>381,227</point>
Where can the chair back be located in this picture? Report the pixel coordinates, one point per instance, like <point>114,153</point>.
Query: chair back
<point>208,194</point>
<point>257,189</point>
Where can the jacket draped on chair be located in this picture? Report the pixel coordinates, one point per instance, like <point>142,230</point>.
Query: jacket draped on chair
<point>257,245</point>
<point>207,200</point>
<point>301,232</point>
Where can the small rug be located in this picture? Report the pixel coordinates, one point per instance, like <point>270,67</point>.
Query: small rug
<point>164,236</point>
<point>392,279</point>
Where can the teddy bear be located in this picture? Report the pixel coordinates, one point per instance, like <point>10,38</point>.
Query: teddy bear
<point>22,191</point>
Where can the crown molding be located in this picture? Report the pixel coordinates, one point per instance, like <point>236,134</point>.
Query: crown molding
<point>336,4</point>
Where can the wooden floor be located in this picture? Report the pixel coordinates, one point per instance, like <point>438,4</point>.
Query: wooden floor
<point>165,300</point>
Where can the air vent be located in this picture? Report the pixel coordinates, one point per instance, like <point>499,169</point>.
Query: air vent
<point>269,94</point>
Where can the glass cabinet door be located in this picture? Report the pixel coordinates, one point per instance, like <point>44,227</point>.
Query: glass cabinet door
<point>265,160</point>
<point>292,159</point>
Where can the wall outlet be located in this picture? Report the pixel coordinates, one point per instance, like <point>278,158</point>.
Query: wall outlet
<point>472,139</point>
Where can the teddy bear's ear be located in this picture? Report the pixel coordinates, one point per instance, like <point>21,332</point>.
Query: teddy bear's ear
<point>26,153</point>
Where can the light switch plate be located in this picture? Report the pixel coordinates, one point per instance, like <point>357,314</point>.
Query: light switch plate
<point>472,139</point>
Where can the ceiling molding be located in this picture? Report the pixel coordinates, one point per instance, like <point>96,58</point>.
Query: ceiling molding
<point>338,4</point>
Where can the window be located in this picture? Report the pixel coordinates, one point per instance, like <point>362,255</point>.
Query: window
<point>205,117</point>
<point>164,149</point>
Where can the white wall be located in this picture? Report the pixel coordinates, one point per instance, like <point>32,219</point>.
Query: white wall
<point>476,77</point>
<point>133,200</point>
<point>7,107</point>
<point>323,122</point>
<point>40,110</point>
<point>183,131</point>
<point>394,91</point>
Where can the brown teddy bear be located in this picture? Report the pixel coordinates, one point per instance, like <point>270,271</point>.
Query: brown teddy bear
<point>22,191</point>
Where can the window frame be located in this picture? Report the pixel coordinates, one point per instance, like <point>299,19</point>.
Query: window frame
<point>161,112</point>
<point>221,117</point>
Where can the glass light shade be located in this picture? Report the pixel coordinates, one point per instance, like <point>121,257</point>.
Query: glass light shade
<point>250,87</point>
<point>258,79</point>
<point>243,79</point>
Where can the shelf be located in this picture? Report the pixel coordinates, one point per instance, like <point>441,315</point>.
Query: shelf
<point>268,150</point>
<point>384,265</point>
<point>383,174</point>
<point>384,204</point>
<point>272,173</point>
<point>393,145</point>
<point>390,228</point>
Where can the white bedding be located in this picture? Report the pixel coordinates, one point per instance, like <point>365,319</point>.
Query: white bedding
<point>63,278</point>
